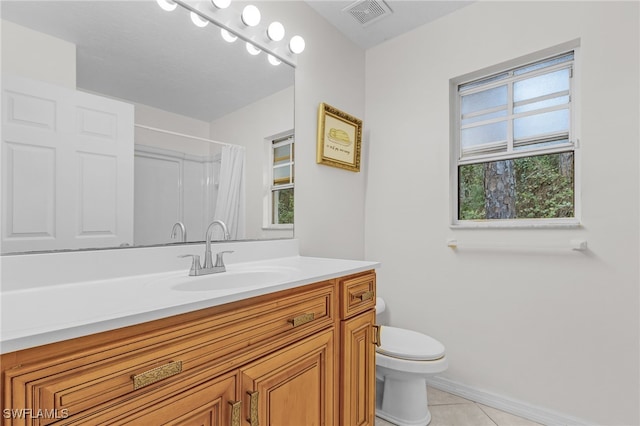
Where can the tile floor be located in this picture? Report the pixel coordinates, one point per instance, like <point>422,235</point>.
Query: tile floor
<point>451,410</point>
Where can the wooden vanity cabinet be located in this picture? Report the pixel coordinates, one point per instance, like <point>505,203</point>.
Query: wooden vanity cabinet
<point>285,358</point>
<point>357,357</point>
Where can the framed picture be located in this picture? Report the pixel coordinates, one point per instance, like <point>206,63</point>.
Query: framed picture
<point>339,139</point>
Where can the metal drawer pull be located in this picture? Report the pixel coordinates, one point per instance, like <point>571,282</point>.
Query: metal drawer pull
<point>236,410</point>
<point>156,374</point>
<point>367,295</point>
<point>302,319</point>
<point>253,408</point>
<point>376,334</point>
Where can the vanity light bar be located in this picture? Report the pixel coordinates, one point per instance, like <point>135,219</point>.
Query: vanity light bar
<point>227,36</point>
<point>273,60</point>
<point>245,26</point>
<point>296,45</point>
<point>253,50</point>
<point>275,31</point>
<point>250,16</point>
<point>198,21</point>
<point>167,5</point>
<point>221,4</point>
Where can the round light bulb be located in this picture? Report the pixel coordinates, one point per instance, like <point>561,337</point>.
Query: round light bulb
<point>275,31</point>
<point>251,16</point>
<point>296,44</point>
<point>198,21</point>
<point>273,60</point>
<point>167,5</point>
<point>221,4</point>
<point>227,36</point>
<point>252,49</point>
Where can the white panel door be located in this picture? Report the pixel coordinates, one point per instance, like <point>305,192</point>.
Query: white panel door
<point>67,168</point>
<point>103,157</point>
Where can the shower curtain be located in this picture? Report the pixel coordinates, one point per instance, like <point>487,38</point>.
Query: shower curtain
<point>230,204</point>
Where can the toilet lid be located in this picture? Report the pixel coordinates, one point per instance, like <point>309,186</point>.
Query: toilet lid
<point>408,344</point>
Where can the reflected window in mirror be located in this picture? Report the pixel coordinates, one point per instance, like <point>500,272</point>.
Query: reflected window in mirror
<point>281,182</point>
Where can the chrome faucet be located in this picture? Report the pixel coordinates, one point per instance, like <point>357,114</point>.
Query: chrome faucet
<point>183,231</point>
<point>209,267</point>
<point>197,270</point>
<point>208,262</point>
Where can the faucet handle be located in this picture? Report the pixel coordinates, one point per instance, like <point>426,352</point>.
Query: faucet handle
<point>195,265</point>
<point>219,258</point>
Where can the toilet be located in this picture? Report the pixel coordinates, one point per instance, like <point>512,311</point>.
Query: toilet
<point>404,360</point>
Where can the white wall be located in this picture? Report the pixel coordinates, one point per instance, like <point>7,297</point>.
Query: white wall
<point>160,119</point>
<point>557,329</point>
<point>37,56</point>
<point>329,201</point>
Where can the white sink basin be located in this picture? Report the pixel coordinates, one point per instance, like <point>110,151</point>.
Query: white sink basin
<point>234,279</point>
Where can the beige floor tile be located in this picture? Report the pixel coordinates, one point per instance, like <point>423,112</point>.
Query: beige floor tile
<point>452,410</point>
<point>380,422</point>
<point>505,419</point>
<point>459,415</point>
<point>438,397</point>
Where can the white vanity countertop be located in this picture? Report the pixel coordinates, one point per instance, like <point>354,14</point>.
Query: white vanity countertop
<point>39,315</point>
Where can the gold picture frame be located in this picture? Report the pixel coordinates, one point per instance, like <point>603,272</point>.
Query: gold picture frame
<point>339,138</point>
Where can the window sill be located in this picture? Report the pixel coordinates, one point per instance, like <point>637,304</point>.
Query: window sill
<point>277,228</point>
<point>518,224</point>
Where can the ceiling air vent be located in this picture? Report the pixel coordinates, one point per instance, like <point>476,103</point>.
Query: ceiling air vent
<point>368,11</point>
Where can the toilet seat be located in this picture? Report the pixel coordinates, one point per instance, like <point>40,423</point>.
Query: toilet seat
<point>409,345</point>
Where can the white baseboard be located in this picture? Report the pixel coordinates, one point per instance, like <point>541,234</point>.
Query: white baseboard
<point>509,405</point>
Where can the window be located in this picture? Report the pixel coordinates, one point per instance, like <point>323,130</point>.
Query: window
<point>514,145</point>
<point>281,181</point>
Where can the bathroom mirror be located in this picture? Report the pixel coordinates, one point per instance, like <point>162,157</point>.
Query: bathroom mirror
<point>84,73</point>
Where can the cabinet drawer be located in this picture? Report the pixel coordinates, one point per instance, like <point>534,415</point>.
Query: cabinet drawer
<point>357,294</point>
<point>201,401</point>
<point>233,334</point>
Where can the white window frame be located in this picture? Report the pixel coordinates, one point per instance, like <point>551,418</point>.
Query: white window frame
<point>457,159</point>
<point>284,138</point>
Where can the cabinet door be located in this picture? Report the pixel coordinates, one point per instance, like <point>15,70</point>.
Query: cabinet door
<point>292,387</point>
<point>358,371</point>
